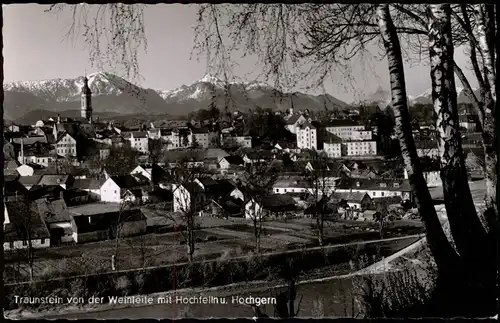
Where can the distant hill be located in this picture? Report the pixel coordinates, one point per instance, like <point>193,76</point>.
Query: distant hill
<point>112,94</point>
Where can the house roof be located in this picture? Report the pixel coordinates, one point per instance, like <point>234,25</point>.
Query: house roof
<point>261,154</point>
<point>341,123</point>
<point>30,140</point>
<point>306,125</point>
<point>278,202</point>
<point>54,180</point>
<point>30,180</point>
<point>293,119</point>
<point>355,197</point>
<point>286,144</point>
<point>125,181</point>
<point>23,217</point>
<point>94,208</point>
<point>11,165</point>
<point>104,222</point>
<point>140,134</point>
<point>39,191</point>
<point>402,185</point>
<point>53,211</point>
<point>215,153</point>
<point>13,188</point>
<point>291,181</point>
<point>199,130</point>
<point>234,160</point>
<point>87,183</point>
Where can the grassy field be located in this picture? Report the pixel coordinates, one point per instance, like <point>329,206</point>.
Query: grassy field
<point>216,238</point>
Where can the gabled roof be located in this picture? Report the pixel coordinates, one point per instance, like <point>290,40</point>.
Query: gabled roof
<point>49,180</point>
<point>53,211</point>
<point>30,180</point>
<point>87,184</point>
<point>23,219</point>
<point>102,222</point>
<point>140,134</point>
<point>62,135</point>
<point>341,123</point>
<point>30,140</point>
<point>353,197</point>
<point>125,181</point>
<point>306,125</point>
<point>234,160</point>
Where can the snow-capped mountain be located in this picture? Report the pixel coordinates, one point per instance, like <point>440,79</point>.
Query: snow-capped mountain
<point>113,94</point>
<point>382,98</point>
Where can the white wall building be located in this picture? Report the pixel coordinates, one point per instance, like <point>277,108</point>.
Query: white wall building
<point>66,145</point>
<point>360,148</point>
<point>333,149</point>
<point>111,192</point>
<point>307,136</point>
<point>139,141</point>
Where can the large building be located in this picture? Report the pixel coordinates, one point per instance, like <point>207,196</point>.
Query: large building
<point>307,137</point>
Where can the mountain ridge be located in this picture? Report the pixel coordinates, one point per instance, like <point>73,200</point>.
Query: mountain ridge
<point>113,94</point>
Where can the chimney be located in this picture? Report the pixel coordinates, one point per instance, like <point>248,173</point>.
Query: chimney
<point>90,220</point>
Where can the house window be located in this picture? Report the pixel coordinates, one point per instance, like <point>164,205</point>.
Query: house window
<point>11,245</point>
<point>115,191</point>
<point>374,193</point>
<point>42,241</point>
<point>25,243</point>
<point>382,193</point>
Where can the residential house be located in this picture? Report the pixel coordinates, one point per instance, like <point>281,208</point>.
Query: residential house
<point>66,145</point>
<point>139,141</point>
<point>291,184</point>
<point>257,157</point>
<point>154,133</point>
<point>347,129</point>
<point>57,180</point>
<point>307,137</point>
<point>43,159</point>
<point>188,197</point>
<point>114,188</point>
<point>359,148</point>
<point>233,141</point>
<point>332,146</point>
<point>57,218</point>
<point>22,224</point>
<point>103,226</point>
<point>269,205</point>
<point>469,121</point>
<point>427,148</point>
<point>294,121</point>
<point>377,187</point>
<point>203,137</point>
<point>355,200</point>
<point>289,147</point>
<point>90,185</point>
<point>231,162</point>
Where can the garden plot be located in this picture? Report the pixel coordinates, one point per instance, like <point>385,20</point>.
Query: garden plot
<point>227,232</point>
<point>291,239</point>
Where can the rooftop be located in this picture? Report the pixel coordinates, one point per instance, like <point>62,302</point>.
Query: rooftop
<point>94,208</point>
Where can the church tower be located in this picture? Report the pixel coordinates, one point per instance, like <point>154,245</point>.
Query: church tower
<point>86,100</point>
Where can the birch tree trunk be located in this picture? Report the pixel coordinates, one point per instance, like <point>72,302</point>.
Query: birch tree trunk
<point>486,32</point>
<point>440,245</point>
<point>465,225</point>
<point>473,280</point>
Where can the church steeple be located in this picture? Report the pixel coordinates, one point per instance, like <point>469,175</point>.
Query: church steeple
<point>86,100</point>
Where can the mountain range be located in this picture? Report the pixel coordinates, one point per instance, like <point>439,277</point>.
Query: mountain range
<point>382,98</point>
<point>28,101</point>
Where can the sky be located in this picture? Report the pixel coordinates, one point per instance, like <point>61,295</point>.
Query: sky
<point>35,49</point>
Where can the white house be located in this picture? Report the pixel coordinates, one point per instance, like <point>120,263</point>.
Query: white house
<point>139,141</point>
<point>377,187</point>
<point>115,187</point>
<point>360,148</point>
<point>294,184</point>
<point>231,161</point>
<point>188,195</point>
<point>44,160</point>
<point>346,129</point>
<point>333,149</point>
<point>307,136</point>
<point>203,137</point>
<point>294,121</point>
<point>66,145</point>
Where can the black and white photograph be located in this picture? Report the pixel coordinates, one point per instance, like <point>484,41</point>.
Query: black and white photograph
<point>250,160</point>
